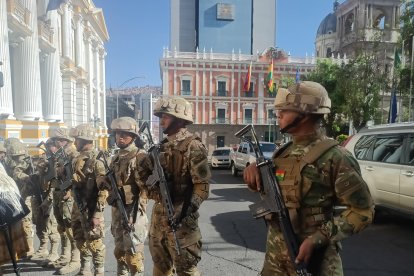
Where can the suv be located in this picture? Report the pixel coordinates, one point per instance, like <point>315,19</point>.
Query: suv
<point>386,156</point>
<point>245,155</point>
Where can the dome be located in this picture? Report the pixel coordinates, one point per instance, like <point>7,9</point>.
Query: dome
<point>328,25</point>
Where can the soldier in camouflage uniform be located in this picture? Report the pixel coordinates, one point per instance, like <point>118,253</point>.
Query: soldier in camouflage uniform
<point>87,214</point>
<point>69,260</point>
<point>124,167</point>
<point>18,168</point>
<point>184,160</point>
<point>45,221</point>
<point>315,175</point>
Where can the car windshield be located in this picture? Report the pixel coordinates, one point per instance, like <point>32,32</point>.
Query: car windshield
<point>221,152</point>
<point>267,147</point>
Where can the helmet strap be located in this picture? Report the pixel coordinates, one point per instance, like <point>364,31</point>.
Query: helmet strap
<point>295,122</point>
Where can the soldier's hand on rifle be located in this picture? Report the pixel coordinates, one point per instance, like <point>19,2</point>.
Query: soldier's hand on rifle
<point>103,183</point>
<point>67,195</point>
<point>305,251</point>
<point>41,166</point>
<point>251,176</point>
<point>60,171</point>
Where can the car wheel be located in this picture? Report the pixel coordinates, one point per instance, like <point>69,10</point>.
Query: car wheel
<point>233,170</point>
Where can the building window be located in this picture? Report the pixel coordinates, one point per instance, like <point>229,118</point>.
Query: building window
<point>220,141</point>
<point>349,24</point>
<point>250,94</point>
<point>185,87</point>
<point>248,116</point>
<point>328,52</point>
<point>269,136</point>
<point>270,116</point>
<point>221,88</point>
<point>221,116</point>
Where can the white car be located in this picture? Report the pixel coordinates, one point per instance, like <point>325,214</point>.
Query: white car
<point>221,157</point>
<point>386,157</point>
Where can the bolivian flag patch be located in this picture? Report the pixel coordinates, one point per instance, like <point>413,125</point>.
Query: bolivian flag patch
<point>280,174</point>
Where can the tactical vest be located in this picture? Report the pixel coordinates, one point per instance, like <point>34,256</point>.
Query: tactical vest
<point>304,219</point>
<point>177,170</point>
<point>124,167</point>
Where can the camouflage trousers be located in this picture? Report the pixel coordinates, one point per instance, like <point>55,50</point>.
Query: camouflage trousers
<point>122,251</point>
<point>277,260</point>
<point>89,240</point>
<point>27,222</point>
<point>162,245</point>
<point>46,225</point>
<point>62,210</point>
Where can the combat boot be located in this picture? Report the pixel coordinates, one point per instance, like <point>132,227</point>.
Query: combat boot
<point>64,258</point>
<point>85,269</point>
<point>41,253</point>
<point>73,265</point>
<point>30,250</point>
<point>53,254</point>
<point>122,268</point>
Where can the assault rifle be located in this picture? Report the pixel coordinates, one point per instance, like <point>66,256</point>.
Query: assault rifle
<point>51,162</point>
<point>158,176</point>
<point>34,179</point>
<point>66,180</point>
<point>272,200</point>
<point>119,202</point>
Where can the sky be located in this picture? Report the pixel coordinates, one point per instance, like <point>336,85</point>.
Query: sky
<point>139,30</point>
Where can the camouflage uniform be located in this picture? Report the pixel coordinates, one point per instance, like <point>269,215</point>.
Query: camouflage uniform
<point>124,167</point>
<point>43,218</point>
<point>315,174</point>
<point>2,154</point>
<point>184,160</point>
<point>89,239</point>
<point>18,168</point>
<point>69,260</point>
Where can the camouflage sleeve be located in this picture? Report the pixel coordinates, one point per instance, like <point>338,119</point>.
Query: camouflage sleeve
<point>19,171</point>
<point>200,173</point>
<point>102,194</point>
<point>351,191</point>
<point>143,191</point>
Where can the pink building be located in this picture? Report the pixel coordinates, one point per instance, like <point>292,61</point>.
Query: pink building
<point>213,83</point>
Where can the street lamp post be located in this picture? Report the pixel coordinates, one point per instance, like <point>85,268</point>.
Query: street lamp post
<point>117,92</point>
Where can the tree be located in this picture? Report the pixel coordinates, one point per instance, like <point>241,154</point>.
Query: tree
<point>326,74</point>
<point>359,82</point>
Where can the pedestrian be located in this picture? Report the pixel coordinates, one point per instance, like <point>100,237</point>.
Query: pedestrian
<point>43,218</point>
<point>18,168</point>
<point>134,199</point>
<point>89,202</point>
<point>184,160</point>
<point>315,174</point>
<point>69,260</point>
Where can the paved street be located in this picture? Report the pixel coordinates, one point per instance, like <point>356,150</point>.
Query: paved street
<point>234,242</point>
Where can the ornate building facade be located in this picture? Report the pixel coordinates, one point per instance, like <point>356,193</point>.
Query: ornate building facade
<point>53,63</point>
<point>213,84</point>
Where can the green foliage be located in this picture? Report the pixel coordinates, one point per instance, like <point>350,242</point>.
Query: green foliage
<point>341,138</point>
<point>407,25</point>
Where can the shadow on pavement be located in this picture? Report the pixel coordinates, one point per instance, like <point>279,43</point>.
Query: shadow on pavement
<point>25,267</point>
<point>241,194</point>
<point>245,231</point>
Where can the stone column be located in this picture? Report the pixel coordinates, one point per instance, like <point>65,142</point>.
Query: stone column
<point>26,72</point>
<point>81,102</point>
<point>6,99</point>
<point>66,31</point>
<point>52,77</point>
<point>96,80</point>
<point>89,69</point>
<point>102,55</point>
<point>79,44</point>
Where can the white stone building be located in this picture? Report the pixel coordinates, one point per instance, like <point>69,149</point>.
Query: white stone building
<point>53,63</point>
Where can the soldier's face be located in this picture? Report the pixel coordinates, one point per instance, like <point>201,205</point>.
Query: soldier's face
<point>52,148</point>
<point>286,117</point>
<point>2,155</point>
<point>61,142</point>
<point>123,139</point>
<point>166,122</point>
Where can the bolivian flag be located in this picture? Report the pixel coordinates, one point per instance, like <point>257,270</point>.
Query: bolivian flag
<point>280,174</point>
<point>246,85</point>
<point>269,78</point>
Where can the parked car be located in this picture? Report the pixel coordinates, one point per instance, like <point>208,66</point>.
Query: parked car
<point>245,155</point>
<point>386,157</point>
<point>220,157</point>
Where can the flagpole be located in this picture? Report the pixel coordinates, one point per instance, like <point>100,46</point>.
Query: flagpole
<point>384,88</point>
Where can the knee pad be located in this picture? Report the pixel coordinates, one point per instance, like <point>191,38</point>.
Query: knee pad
<point>97,245</point>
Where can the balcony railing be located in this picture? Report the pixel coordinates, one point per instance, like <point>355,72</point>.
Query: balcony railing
<point>185,92</point>
<point>249,94</point>
<point>221,120</point>
<point>222,93</point>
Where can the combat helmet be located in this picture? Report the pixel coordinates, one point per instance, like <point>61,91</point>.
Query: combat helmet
<point>14,147</point>
<point>125,124</point>
<point>175,106</point>
<point>304,97</point>
<point>84,132</point>
<point>61,133</point>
